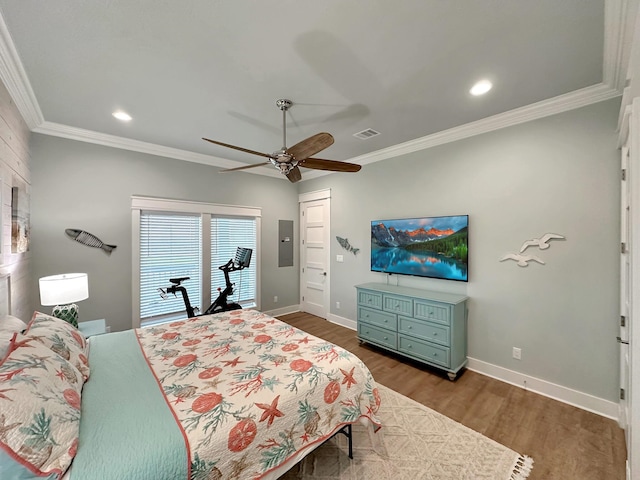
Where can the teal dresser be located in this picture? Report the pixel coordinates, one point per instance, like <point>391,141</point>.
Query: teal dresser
<point>430,327</point>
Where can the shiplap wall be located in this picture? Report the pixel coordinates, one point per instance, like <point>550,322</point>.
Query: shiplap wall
<point>14,170</point>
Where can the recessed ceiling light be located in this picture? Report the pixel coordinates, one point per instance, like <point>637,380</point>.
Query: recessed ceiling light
<point>480,88</point>
<point>120,115</point>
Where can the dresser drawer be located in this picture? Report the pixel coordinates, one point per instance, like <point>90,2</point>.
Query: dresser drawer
<point>378,318</point>
<point>434,312</point>
<point>426,330</point>
<point>378,335</point>
<point>370,299</point>
<point>425,350</point>
<point>403,305</point>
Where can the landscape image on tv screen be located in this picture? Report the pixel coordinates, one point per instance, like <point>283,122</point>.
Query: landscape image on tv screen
<point>436,247</point>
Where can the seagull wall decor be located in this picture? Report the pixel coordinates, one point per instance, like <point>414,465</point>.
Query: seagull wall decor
<point>542,243</point>
<point>522,260</point>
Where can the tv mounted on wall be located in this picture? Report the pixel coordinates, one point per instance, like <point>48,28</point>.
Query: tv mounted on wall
<point>435,247</point>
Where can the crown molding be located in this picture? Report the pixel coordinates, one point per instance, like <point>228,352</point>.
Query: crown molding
<point>90,136</point>
<point>619,26</point>
<point>15,79</point>
<point>562,103</point>
<point>545,108</point>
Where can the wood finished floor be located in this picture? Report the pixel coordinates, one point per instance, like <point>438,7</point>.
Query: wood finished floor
<point>565,442</point>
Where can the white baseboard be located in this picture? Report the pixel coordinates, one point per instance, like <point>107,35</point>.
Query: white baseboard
<point>562,394</point>
<point>578,399</point>
<point>283,310</point>
<point>342,321</point>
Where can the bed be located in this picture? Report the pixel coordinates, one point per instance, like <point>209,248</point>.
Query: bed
<point>232,395</point>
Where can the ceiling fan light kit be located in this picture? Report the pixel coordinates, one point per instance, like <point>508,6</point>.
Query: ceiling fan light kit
<point>287,160</point>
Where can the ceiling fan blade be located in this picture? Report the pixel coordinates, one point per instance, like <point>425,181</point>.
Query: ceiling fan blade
<point>238,148</point>
<point>310,146</point>
<point>331,165</point>
<point>244,167</point>
<point>294,175</point>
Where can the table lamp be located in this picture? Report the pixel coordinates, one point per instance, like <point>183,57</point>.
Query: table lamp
<point>61,291</point>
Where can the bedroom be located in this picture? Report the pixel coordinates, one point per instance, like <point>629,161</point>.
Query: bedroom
<point>557,173</point>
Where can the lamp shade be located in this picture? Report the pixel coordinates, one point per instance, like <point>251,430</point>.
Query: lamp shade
<point>64,289</point>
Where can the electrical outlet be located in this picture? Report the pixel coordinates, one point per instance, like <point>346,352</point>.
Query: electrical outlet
<point>339,258</point>
<point>517,353</point>
<point>338,305</point>
<point>107,329</point>
<point>275,299</point>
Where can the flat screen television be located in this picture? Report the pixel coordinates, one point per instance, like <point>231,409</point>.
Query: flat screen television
<point>435,247</point>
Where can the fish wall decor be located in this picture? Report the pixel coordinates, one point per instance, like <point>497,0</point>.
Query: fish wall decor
<point>344,243</point>
<point>88,239</point>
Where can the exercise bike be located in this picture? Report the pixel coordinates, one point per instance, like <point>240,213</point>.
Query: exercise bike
<point>241,261</point>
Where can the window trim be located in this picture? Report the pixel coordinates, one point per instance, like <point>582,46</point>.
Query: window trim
<point>140,203</point>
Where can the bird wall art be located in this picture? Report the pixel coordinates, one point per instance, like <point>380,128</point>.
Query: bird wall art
<point>522,260</point>
<point>542,243</point>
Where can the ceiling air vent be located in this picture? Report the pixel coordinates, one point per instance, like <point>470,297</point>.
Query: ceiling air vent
<point>364,134</point>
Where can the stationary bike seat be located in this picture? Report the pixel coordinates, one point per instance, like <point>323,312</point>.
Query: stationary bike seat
<point>177,281</point>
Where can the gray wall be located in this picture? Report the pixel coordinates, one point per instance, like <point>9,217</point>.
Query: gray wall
<point>86,186</point>
<point>559,174</point>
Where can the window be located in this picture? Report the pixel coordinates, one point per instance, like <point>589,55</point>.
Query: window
<point>170,247</point>
<point>174,238</point>
<point>227,234</point>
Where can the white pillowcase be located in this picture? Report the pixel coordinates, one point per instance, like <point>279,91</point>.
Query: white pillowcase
<point>8,326</point>
<point>12,324</point>
<point>5,341</point>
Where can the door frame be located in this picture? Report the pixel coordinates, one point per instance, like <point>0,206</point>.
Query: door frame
<point>312,197</point>
<point>633,466</point>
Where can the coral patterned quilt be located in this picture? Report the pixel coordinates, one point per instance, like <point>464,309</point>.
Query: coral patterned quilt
<point>249,391</point>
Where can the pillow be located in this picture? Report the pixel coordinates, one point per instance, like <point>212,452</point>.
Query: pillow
<point>40,405</point>
<point>61,337</point>
<point>9,323</point>
<point>5,340</point>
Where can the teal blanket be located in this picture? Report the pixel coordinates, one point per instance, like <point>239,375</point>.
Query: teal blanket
<point>127,430</point>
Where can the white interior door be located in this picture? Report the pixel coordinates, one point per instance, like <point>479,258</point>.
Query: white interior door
<point>314,253</point>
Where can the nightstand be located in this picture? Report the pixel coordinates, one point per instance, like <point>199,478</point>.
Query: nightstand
<point>93,327</point>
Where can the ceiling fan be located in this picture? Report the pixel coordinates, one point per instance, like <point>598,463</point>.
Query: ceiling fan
<point>287,160</point>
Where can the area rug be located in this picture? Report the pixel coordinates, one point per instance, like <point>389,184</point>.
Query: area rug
<point>414,443</point>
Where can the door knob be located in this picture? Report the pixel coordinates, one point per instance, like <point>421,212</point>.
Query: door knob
<point>622,341</point>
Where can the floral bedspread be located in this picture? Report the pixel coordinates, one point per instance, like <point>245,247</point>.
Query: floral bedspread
<point>249,391</point>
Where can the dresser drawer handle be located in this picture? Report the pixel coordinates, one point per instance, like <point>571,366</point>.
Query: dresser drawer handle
<point>386,338</point>
<point>435,354</point>
<point>435,334</point>
<point>366,315</point>
<point>409,346</point>
<point>410,327</point>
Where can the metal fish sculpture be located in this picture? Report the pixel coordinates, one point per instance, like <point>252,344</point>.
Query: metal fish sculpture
<point>86,238</point>
<point>344,243</point>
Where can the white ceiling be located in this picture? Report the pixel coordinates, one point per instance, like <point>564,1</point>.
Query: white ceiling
<point>186,70</point>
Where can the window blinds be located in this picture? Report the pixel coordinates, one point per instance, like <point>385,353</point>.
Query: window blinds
<point>227,234</point>
<point>170,247</point>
